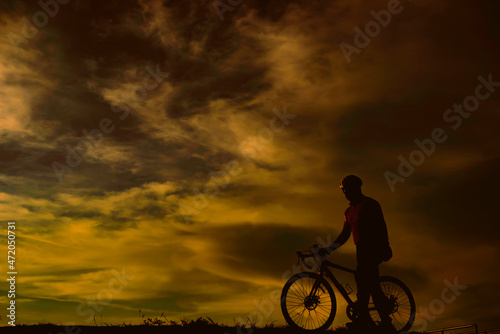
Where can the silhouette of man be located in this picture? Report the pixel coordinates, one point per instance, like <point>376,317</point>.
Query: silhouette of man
<point>365,220</point>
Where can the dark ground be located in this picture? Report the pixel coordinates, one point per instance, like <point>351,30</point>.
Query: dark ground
<point>177,329</point>
<point>162,325</point>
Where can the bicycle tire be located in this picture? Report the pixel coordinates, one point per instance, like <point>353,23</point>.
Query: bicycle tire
<point>404,309</point>
<point>293,300</point>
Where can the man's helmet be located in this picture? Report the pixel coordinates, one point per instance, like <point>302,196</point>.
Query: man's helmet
<point>350,182</point>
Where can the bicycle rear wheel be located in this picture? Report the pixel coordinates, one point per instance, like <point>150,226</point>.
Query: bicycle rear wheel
<point>303,310</point>
<point>401,304</point>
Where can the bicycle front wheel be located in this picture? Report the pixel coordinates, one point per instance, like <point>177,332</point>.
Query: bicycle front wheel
<point>308,302</point>
<point>400,304</point>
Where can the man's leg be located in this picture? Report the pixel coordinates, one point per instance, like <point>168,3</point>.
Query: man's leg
<point>379,298</point>
<point>363,286</point>
<point>380,301</point>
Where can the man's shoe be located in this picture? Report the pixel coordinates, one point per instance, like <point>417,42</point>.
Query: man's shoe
<point>386,326</point>
<point>358,327</point>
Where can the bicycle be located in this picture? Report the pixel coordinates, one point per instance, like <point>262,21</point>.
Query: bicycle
<point>309,304</point>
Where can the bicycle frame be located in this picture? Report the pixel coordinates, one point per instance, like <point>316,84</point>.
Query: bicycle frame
<point>324,269</point>
<point>323,279</point>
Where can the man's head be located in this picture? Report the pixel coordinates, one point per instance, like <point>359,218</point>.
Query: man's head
<point>351,187</point>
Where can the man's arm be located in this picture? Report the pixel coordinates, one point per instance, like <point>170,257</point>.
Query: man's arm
<point>341,239</point>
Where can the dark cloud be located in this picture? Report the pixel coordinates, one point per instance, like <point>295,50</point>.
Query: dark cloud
<point>239,86</point>
<point>121,206</point>
<point>268,249</point>
<point>459,208</point>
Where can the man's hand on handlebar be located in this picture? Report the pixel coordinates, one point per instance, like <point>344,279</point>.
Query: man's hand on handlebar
<point>321,253</point>
<point>316,252</point>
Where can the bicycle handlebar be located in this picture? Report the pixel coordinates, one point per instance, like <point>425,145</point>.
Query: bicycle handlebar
<point>301,257</point>
<point>309,253</point>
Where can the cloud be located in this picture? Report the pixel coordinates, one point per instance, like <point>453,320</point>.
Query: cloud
<point>121,207</point>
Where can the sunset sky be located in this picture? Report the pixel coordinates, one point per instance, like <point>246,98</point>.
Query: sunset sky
<point>216,140</point>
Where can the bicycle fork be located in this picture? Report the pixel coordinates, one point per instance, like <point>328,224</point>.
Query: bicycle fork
<point>312,299</point>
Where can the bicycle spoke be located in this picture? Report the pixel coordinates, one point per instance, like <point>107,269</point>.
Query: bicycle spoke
<point>303,308</point>
<point>404,305</point>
